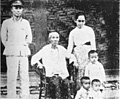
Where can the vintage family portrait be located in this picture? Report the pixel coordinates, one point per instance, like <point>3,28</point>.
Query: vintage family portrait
<point>59,49</point>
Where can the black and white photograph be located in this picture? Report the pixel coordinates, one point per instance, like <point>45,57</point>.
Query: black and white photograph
<point>59,49</point>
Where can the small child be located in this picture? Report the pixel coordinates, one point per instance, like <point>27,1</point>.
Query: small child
<point>95,92</point>
<point>95,69</point>
<point>85,85</point>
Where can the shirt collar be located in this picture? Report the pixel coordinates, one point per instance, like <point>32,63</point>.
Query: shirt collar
<point>13,18</point>
<point>56,46</point>
<point>95,63</point>
<point>80,28</point>
<point>84,90</point>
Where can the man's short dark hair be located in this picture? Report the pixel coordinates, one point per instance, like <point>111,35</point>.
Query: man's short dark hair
<point>91,52</point>
<point>79,14</point>
<point>12,1</point>
<point>84,78</point>
<point>95,80</point>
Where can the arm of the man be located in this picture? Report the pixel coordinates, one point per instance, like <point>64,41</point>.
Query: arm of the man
<point>70,56</point>
<point>35,58</point>
<point>70,43</point>
<point>29,33</point>
<point>4,33</point>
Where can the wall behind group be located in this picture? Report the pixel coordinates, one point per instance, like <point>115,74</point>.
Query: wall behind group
<point>48,15</point>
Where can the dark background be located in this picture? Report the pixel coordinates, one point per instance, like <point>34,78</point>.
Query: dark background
<point>48,15</point>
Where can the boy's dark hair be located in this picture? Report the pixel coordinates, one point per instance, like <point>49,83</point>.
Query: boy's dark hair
<point>95,80</point>
<point>84,78</point>
<point>91,52</point>
<point>78,14</point>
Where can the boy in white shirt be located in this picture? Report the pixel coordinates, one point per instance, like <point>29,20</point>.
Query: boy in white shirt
<point>95,69</point>
<point>95,92</point>
<point>85,85</point>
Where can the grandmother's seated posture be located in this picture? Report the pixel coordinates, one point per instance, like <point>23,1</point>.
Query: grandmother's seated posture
<point>54,60</point>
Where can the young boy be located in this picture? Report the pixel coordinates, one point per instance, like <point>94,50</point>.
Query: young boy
<point>85,85</point>
<point>95,69</point>
<point>95,92</point>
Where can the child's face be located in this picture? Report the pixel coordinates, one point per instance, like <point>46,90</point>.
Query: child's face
<point>96,86</point>
<point>80,21</point>
<point>86,84</point>
<point>93,57</point>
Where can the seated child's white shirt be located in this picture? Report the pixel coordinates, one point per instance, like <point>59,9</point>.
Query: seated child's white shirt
<point>95,95</point>
<point>81,94</point>
<point>95,71</point>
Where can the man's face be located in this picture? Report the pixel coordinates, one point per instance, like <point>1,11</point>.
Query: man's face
<point>86,84</point>
<point>93,57</point>
<point>54,39</point>
<point>17,10</point>
<point>80,21</point>
<point>96,86</point>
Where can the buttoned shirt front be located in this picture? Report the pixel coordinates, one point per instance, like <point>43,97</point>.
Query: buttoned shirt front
<point>95,71</point>
<point>54,60</point>
<point>82,94</point>
<point>79,37</point>
<point>16,35</point>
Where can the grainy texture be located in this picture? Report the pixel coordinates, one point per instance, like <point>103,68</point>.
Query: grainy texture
<point>110,92</point>
<point>48,15</point>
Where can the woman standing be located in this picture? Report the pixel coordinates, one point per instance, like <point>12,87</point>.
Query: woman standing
<point>81,41</point>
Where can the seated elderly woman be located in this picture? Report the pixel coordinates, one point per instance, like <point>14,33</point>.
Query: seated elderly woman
<point>54,60</point>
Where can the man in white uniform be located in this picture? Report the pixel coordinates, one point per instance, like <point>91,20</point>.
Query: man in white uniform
<point>16,36</point>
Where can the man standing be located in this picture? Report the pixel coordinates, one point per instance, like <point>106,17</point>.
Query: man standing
<point>16,36</point>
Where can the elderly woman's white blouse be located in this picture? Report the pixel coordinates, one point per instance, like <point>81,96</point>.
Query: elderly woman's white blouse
<point>53,60</point>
